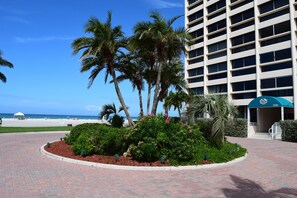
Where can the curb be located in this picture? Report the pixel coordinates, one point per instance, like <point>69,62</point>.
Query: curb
<point>138,168</point>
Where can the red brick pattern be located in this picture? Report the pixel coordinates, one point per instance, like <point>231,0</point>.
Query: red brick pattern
<point>270,170</point>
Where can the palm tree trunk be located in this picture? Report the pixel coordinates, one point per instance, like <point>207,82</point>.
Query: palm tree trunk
<point>179,114</point>
<point>118,91</point>
<point>148,98</point>
<point>166,110</point>
<point>140,101</point>
<point>155,101</point>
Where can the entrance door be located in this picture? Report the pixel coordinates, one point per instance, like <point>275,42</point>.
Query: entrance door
<point>267,117</point>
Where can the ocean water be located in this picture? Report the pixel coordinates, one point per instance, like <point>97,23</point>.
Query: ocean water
<point>49,116</point>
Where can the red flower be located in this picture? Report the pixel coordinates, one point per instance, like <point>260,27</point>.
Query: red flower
<point>190,131</point>
<point>167,120</point>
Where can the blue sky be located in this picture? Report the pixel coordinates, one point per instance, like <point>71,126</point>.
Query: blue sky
<point>36,37</point>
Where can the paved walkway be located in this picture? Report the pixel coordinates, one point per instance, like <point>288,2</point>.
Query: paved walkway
<point>270,170</point>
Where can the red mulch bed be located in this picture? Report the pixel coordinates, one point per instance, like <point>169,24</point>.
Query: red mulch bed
<point>62,149</point>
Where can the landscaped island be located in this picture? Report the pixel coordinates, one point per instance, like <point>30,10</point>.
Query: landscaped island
<point>153,141</point>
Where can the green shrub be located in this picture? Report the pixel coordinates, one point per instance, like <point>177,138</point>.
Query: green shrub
<point>236,128</point>
<point>289,130</point>
<point>83,145</point>
<point>82,128</point>
<point>156,136</point>
<point>96,138</point>
<point>117,121</point>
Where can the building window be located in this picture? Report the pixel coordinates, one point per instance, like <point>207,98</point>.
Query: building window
<point>278,66</point>
<point>242,16</point>
<point>278,93</point>
<point>286,81</point>
<point>223,32</point>
<point>196,23</point>
<point>274,15</point>
<point>216,14</point>
<point>244,25</point>
<point>195,16</point>
<point>275,29</point>
<point>194,80</point>
<point>275,56</point>
<point>244,72</point>
<point>245,38</point>
<point>275,40</point>
<point>196,52</point>
<point>240,4</point>
<point>216,26</point>
<point>195,72</point>
<point>217,67</point>
<point>196,60</point>
<point>197,33</point>
<point>272,5</point>
<point>191,1</point>
<point>243,86</point>
<point>217,88</point>
<point>244,95</point>
<point>217,76</point>
<point>197,90</point>
<point>217,46</point>
<point>243,48</point>
<point>244,62</point>
<point>216,6</point>
<point>217,55</point>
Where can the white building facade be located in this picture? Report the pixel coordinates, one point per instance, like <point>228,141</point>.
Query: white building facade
<point>245,49</point>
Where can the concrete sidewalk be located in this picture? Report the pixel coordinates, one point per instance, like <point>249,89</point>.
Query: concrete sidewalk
<point>268,171</point>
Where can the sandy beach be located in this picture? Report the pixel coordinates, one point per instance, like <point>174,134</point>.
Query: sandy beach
<point>11,122</point>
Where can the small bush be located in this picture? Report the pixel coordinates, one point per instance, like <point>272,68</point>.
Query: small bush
<point>158,136</point>
<point>82,128</point>
<point>83,145</point>
<point>117,121</point>
<point>236,128</point>
<point>289,130</point>
<point>96,138</point>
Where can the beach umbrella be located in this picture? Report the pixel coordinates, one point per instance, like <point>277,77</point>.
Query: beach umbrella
<point>19,114</point>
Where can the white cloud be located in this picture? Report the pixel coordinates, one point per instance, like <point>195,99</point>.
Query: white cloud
<point>92,108</point>
<point>41,39</point>
<point>166,4</point>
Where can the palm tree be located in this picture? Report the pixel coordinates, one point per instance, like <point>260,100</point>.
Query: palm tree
<point>176,100</point>
<point>168,43</point>
<point>134,73</point>
<point>144,49</point>
<point>100,51</point>
<point>108,110</point>
<point>4,63</point>
<point>219,108</point>
<point>173,76</point>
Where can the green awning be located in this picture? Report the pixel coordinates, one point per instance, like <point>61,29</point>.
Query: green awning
<point>270,102</point>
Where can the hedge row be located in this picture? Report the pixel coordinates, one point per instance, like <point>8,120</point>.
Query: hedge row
<point>289,130</point>
<point>234,128</point>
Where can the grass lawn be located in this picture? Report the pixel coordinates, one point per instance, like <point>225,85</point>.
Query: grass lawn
<point>34,129</point>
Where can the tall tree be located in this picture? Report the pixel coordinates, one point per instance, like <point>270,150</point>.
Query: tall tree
<point>4,63</point>
<point>133,71</point>
<point>173,76</point>
<point>100,51</point>
<point>168,43</point>
<point>144,49</point>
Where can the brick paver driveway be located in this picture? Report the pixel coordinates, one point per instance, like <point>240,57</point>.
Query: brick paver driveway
<point>270,170</point>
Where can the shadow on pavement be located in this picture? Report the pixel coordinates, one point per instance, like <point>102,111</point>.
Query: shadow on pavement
<point>249,188</point>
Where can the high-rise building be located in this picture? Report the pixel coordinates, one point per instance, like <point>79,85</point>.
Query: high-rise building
<point>247,50</point>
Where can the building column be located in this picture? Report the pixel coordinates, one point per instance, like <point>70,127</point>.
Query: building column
<point>282,113</point>
<point>294,56</point>
<point>248,121</point>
